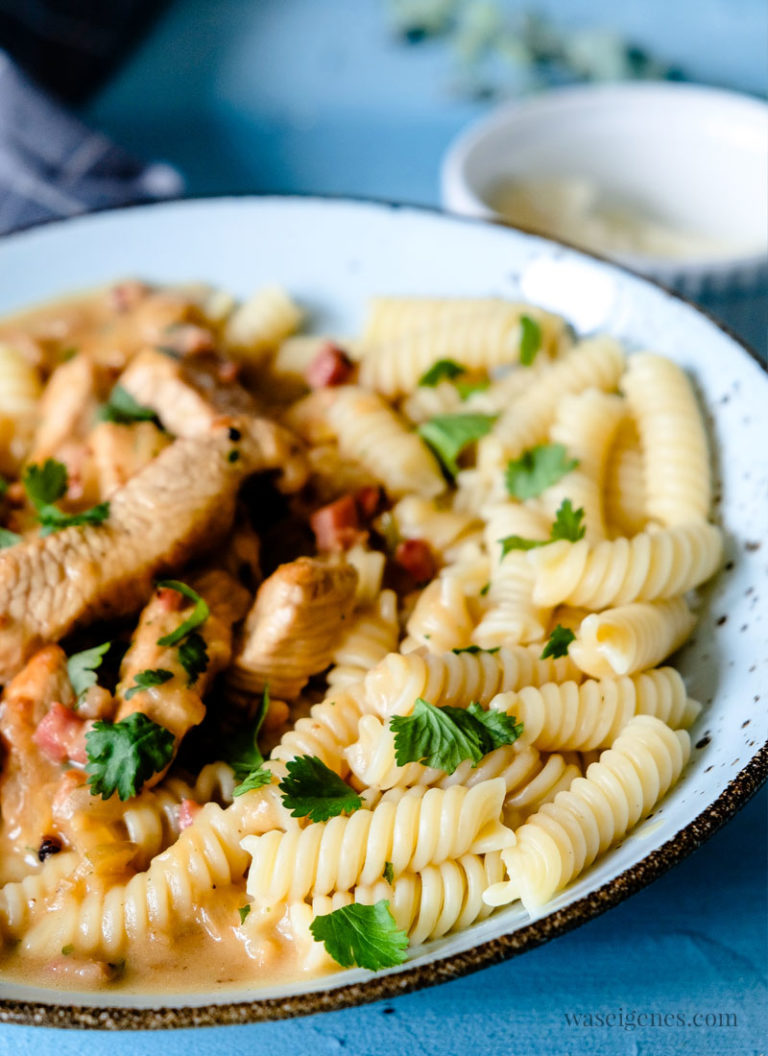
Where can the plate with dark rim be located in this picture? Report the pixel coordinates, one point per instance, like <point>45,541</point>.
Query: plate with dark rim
<point>332,255</point>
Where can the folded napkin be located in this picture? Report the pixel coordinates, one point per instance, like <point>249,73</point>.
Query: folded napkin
<point>52,165</point>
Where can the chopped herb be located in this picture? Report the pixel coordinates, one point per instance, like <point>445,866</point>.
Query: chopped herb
<point>65,354</point>
<point>82,668</point>
<point>200,613</point>
<point>537,469</point>
<point>255,779</point>
<point>466,389</point>
<point>123,755</point>
<point>449,434</point>
<point>389,872</point>
<point>559,640</point>
<point>476,649</point>
<point>530,340</point>
<point>241,749</point>
<point>567,525</point>
<point>443,370</point>
<point>311,790</point>
<point>484,589</point>
<point>363,935</point>
<point>193,656</point>
<point>233,455</point>
<point>8,538</point>
<point>443,738</point>
<point>3,487</point>
<point>68,949</point>
<point>45,485</point>
<point>244,911</point>
<point>122,408</point>
<point>145,679</point>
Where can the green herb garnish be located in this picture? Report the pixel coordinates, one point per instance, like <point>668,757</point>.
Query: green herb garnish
<point>537,469</point>
<point>449,434</point>
<point>311,790</point>
<point>363,935</point>
<point>123,755</point>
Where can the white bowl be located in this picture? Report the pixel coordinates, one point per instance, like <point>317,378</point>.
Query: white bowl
<point>332,256</point>
<point>696,158</point>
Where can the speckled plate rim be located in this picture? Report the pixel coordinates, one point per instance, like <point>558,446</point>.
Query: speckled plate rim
<point>450,966</point>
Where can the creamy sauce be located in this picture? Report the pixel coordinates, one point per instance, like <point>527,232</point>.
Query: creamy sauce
<point>585,214</point>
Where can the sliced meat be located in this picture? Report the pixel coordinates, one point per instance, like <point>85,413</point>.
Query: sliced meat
<point>119,452</point>
<point>181,505</point>
<point>187,395</point>
<point>28,774</point>
<point>178,703</point>
<point>294,626</point>
<point>69,405</point>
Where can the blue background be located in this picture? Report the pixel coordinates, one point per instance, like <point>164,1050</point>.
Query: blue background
<point>316,95</point>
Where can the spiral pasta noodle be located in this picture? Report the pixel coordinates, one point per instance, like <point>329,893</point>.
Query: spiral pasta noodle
<point>650,566</point>
<point>556,844</point>
<point>625,501</point>
<point>261,323</point>
<point>422,827</point>
<point>373,634</point>
<point>632,637</point>
<point>330,726</point>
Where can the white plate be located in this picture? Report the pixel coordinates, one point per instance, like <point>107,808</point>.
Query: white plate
<point>333,255</point>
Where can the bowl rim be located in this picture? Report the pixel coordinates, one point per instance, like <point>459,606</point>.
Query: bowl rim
<point>709,821</point>
<point>455,186</point>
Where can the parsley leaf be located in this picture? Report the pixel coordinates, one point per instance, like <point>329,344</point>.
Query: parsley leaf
<point>122,408</point>
<point>443,738</point>
<point>8,538</point>
<point>475,649</point>
<point>559,640</point>
<point>389,872</point>
<point>443,370</point>
<point>244,911</point>
<point>123,755</point>
<point>311,790</point>
<point>193,656</point>
<point>200,613</point>
<point>257,778</point>
<point>568,523</point>
<point>537,469</point>
<point>3,487</point>
<point>363,935</point>
<point>82,668</point>
<point>449,434</point>
<point>145,679</point>
<point>500,729</point>
<point>530,340</point>
<point>45,485</point>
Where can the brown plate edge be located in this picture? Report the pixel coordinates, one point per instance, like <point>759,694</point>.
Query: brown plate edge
<point>735,796</point>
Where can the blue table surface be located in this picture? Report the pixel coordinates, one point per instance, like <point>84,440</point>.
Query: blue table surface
<point>317,96</point>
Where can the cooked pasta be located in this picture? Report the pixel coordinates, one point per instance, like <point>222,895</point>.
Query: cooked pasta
<point>357,672</point>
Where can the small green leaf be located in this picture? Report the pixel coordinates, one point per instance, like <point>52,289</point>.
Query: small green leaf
<point>568,523</point>
<point>466,389</point>
<point>311,790</point>
<point>241,749</point>
<point>485,588</point>
<point>363,935</point>
<point>559,640</point>
<point>450,434</point>
<point>530,340</point>
<point>517,542</point>
<point>8,538</point>
<point>389,872</point>
<point>52,519</point>
<point>193,656</point>
<point>145,679</point>
<point>200,613</point>
<point>500,729</point>
<point>45,484</point>
<point>123,755</point>
<point>244,911</point>
<point>257,778</point>
<point>82,668</point>
<point>68,949</point>
<point>122,408</point>
<point>443,370</point>
<point>537,469</point>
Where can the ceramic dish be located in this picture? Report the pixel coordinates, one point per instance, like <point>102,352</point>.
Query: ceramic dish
<point>332,255</point>
<point>693,157</point>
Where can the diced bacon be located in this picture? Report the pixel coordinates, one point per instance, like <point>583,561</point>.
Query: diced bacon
<point>416,557</point>
<point>170,600</point>
<point>60,735</point>
<point>331,366</point>
<point>368,501</point>
<point>188,811</point>
<point>228,371</point>
<point>336,526</point>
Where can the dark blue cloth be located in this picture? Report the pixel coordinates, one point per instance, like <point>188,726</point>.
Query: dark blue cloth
<point>52,165</point>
